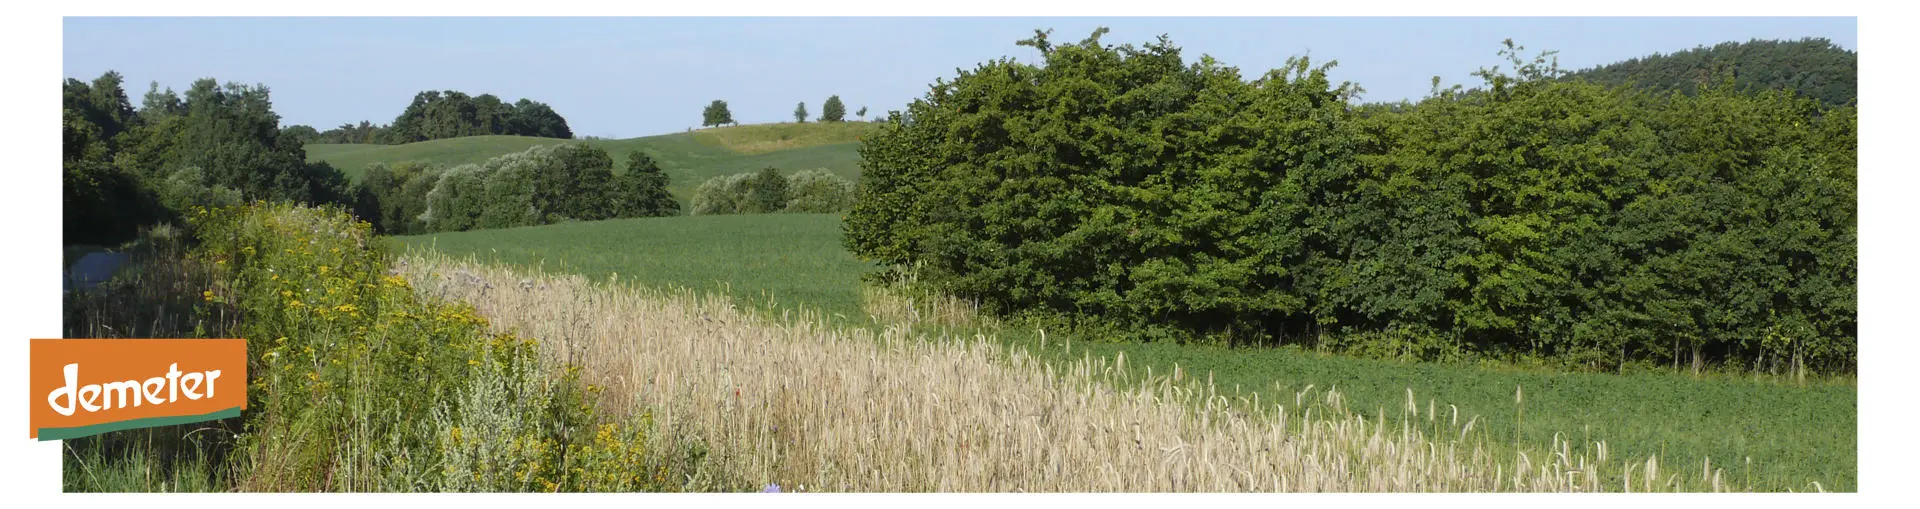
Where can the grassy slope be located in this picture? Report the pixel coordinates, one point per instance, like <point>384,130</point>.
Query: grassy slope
<point>688,158</point>
<point>1794,434</point>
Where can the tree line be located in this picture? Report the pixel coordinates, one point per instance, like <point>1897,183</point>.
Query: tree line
<point>126,167</point>
<point>717,114</point>
<point>1120,191</point>
<point>1815,67</point>
<point>541,185</point>
<point>435,115</point>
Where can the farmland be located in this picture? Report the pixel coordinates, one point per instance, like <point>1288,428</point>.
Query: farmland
<point>1104,268</point>
<point>688,158</point>
<point>793,260</point>
<point>1794,434</point>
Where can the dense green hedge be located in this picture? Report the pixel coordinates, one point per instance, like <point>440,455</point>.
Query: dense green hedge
<point>1122,189</point>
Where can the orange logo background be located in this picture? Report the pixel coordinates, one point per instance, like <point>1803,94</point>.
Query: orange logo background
<point>115,361</point>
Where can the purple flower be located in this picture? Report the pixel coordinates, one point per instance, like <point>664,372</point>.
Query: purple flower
<point>771,488</point>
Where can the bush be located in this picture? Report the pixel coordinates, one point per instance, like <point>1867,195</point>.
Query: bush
<point>360,384</point>
<point>818,191</point>
<point>808,191</point>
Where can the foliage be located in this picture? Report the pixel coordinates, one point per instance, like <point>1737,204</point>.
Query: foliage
<point>833,110</point>
<point>356,383</point>
<point>641,191</point>
<point>436,115</point>
<point>1124,191</point>
<point>766,191</point>
<point>1812,67</point>
<point>541,185</point>
<point>809,191</point>
<point>125,168</point>
<point>862,113</point>
<point>800,113</point>
<point>818,191</point>
<point>716,114</point>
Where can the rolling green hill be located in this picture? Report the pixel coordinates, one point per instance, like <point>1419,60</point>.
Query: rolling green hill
<point>689,158</point>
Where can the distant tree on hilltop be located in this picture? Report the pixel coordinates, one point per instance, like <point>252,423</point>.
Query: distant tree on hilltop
<point>862,113</point>
<point>716,114</point>
<point>437,115</point>
<point>800,112</point>
<point>833,110</point>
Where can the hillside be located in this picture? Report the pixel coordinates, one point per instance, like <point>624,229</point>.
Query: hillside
<point>688,158</point>
<point>1815,68</point>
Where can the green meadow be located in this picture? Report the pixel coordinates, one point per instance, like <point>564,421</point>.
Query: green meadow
<point>1794,435</point>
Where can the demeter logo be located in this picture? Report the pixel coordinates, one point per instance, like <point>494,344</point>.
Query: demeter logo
<point>86,387</point>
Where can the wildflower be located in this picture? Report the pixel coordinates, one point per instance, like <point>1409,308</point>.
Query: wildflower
<point>771,488</point>
<point>323,269</point>
<point>208,294</point>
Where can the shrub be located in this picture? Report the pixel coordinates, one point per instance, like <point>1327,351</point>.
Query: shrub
<point>814,191</point>
<point>360,384</point>
<point>819,191</point>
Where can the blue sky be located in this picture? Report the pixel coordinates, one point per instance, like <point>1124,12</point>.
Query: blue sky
<point>625,77</point>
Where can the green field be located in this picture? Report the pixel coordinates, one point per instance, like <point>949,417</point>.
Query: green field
<point>1795,435</point>
<point>790,260</point>
<point>688,158</point>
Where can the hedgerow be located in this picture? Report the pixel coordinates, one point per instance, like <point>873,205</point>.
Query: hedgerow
<point>1122,189</point>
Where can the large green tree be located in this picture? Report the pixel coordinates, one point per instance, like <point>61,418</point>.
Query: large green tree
<point>641,191</point>
<point>716,114</point>
<point>833,110</point>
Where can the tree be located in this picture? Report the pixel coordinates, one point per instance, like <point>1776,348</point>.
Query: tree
<point>800,112</point>
<point>833,110</point>
<point>641,191</point>
<point>716,114</point>
<point>862,113</point>
<point>302,134</point>
<point>766,192</point>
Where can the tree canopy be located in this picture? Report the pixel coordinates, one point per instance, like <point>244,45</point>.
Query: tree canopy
<point>833,110</point>
<point>217,144</point>
<point>1812,67</point>
<point>716,114</point>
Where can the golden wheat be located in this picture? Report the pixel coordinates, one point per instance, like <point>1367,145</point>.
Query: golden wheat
<point>790,400</point>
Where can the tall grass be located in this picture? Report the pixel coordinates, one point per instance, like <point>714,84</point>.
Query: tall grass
<point>355,383</point>
<point>792,401</point>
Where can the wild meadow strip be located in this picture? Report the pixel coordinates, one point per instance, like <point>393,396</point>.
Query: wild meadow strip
<point>356,383</point>
<point>789,400</point>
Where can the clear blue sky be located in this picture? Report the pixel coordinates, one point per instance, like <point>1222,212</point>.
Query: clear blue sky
<point>625,77</point>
